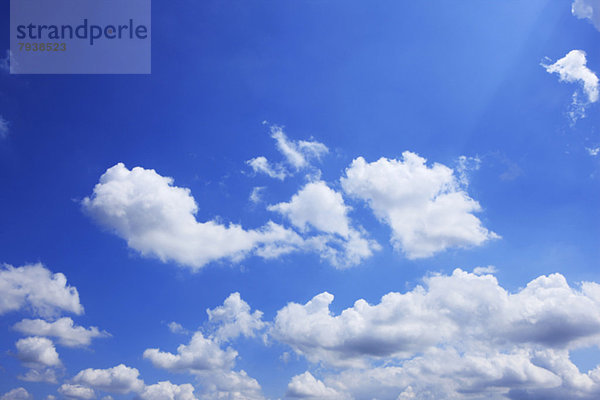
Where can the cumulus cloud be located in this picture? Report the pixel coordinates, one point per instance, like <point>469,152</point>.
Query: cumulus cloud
<point>306,386</point>
<point>35,288</point>
<point>37,351</point>
<point>587,9</point>
<point>168,391</point>
<point>200,354</point>
<point>63,329</point>
<point>318,206</point>
<point>158,219</point>
<point>17,394</point>
<point>120,379</point>
<point>425,207</point>
<point>229,385</point>
<point>572,68</point>
<point>298,155</point>
<point>234,318</point>
<point>211,364</point>
<point>76,391</point>
<point>459,333</point>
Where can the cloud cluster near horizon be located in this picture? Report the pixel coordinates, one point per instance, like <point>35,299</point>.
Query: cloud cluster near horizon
<point>454,334</point>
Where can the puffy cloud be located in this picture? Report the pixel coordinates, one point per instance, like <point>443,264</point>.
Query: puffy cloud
<point>158,219</point>
<point>262,165</point>
<point>229,385</point>
<point>587,9</point>
<point>457,335</point>
<point>208,362</point>
<point>317,205</point>
<point>36,288</point>
<point>17,394</point>
<point>593,151</point>
<point>234,319</point>
<point>37,351</point>
<point>425,206</point>
<point>572,68</point>
<point>119,379</point>
<point>67,333</point>
<point>459,308</point>
<point>199,355</point>
<point>76,391</point>
<point>168,391</point>
<point>306,386</point>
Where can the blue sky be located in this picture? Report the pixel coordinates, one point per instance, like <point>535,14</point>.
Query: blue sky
<point>430,159</point>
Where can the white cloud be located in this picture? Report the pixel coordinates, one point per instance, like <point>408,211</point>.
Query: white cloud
<point>318,206</point>
<point>587,9</point>
<point>490,269</point>
<point>199,355</point>
<point>593,151</point>
<point>234,319</point>
<point>47,375</point>
<point>464,166</point>
<point>459,307</point>
<point>4,128</point>
<point>262,165</point>
<point>158,219</point>
<point>229,385</point>
<point>175,327</point>
<point>256,195</point>
<point>572,68</point>
<point>168,391</point>
<point>76,392</point>
<point>64,329</point>
<point>208,362</point>
<point>36,288</point>
<point>37,352</point>
<point>120,379</point>
<point>458,334</point>
<point>17,394</point>
<point>425,206</point>
<point>297,153</point>
<point>306,386</point>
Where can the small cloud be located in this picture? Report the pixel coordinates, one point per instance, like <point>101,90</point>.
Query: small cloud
<point>490,269</point>
<point>256,195</point>
<point>587,9</point>
<point>3,127</point>
<point>572,69</point>
<point>593,151</point>
<point>464,165</point>
<point>175,327</point>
